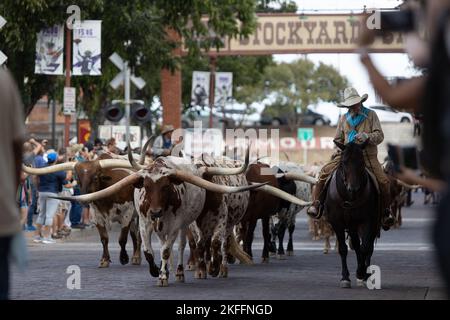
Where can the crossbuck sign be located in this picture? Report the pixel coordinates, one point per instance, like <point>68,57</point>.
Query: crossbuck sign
<point>3,57</point>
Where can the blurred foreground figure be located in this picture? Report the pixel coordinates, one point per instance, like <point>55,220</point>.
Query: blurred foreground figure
<point>428,95</point>
<point>11,139</point>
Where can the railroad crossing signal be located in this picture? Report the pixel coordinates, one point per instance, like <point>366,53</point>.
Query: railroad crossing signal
<point>124,77</point>
<point>3,57</point>
<point>120,78</point>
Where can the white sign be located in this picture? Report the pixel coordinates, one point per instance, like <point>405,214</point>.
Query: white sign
<point>87,49</point>
<point>70,100</point>
<point>49,51</point>
<point>119,133</point>
<point>3,57</point>
<point>200,88</point>
<point>120,78</point>
<point>223,88</point>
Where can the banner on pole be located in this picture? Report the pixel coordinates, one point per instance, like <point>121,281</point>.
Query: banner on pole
<point>49,51</point>
<point>200,88</point>
<point>223,88</point>
<point>87,49</point>
<point>84,130</point>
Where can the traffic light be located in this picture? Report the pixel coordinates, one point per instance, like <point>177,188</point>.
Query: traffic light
<point>140,113</point>
<point>114,112</point>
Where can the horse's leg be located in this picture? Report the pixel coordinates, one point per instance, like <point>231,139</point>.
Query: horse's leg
<point>327,245</point>
<point>266,236</point>
<point>360,271</point>
<point>368,238</point>
<point>340,235</point>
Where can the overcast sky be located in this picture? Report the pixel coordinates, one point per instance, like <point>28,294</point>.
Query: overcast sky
<point>391,65</point>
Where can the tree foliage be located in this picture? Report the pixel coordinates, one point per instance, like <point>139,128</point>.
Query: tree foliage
<point>300,84</point>
<point>141,23</point>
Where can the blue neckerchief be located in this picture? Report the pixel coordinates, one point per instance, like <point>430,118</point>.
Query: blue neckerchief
<point>355,121</point>
<point>167,143</point>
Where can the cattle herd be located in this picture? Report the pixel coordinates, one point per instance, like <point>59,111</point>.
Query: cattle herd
<point>210,203</point>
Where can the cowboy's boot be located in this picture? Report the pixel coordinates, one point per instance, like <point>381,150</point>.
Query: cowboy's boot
<point>313,210</point>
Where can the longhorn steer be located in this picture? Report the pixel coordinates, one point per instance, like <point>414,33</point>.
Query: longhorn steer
<point>267,201</point>
<point>97,175</point>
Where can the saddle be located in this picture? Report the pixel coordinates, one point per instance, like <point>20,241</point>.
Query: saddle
<point>324,192</point>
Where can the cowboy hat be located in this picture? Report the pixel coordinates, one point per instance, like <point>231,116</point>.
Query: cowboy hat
<point>351,97</point>
<point>167,128</point>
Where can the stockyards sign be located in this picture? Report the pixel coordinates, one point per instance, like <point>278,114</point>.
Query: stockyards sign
<point>288,33</point>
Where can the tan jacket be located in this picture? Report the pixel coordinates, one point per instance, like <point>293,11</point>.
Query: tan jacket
<point>371,125</point>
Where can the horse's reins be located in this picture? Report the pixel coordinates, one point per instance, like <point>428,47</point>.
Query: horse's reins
<point>359,200</point>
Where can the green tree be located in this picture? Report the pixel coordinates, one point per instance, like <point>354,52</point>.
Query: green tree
<point>140,23</point>
<point>297,85</point>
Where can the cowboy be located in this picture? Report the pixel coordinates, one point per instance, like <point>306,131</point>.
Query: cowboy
<point>163,143</point>
<point>357,125</point>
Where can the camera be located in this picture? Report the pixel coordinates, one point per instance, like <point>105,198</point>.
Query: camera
<point>398,21</point>
<point>404,156</point>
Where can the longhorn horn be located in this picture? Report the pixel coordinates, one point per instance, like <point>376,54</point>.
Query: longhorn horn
<point>114,163</point>
<point>300,177</point>
<point>202,183</point>
<point>218,171</point>
<point>98,195</point>
<point>148,144</point>
<point>50,169</point>
<point>408,186</point>
<point>284,195</point>
<point>131,160</point>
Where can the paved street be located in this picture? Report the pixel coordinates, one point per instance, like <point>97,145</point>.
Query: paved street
<point>405,256</point>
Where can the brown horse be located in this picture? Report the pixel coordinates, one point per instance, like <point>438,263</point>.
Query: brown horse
<point>351,205</point>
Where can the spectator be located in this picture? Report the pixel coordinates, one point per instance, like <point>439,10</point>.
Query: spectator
<point>24,197</point>
<point>49,185</point>
<point>111,146</point>
<point>163,143</point>
<point>11,140</point>
<point>32,148</point>
<point>429,95</point>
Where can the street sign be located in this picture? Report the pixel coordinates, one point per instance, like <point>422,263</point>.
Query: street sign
<point>120,78</point>
<point>69,101</point>
<point>305,134</point>
<point>3,57</point>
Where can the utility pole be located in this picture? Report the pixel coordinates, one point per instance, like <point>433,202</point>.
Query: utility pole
<point>212,69</point>
<point>67,83</point>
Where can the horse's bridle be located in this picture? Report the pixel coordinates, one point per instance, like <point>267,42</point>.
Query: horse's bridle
<point>359,199</point>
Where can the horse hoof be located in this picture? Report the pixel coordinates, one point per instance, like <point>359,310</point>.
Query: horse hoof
<point>136,261</point>
<point>360,282</point>
<point>281,257</point>
<point>272,254</point>
<point>290,253</point>
<point>345,284</point>
<point>265,260</point>
<point>179,278</point>
<point>104,264</point>
<point>190,267</point>
<point>325,251</point>
<point>124,259</point>
<point>162,282</point>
